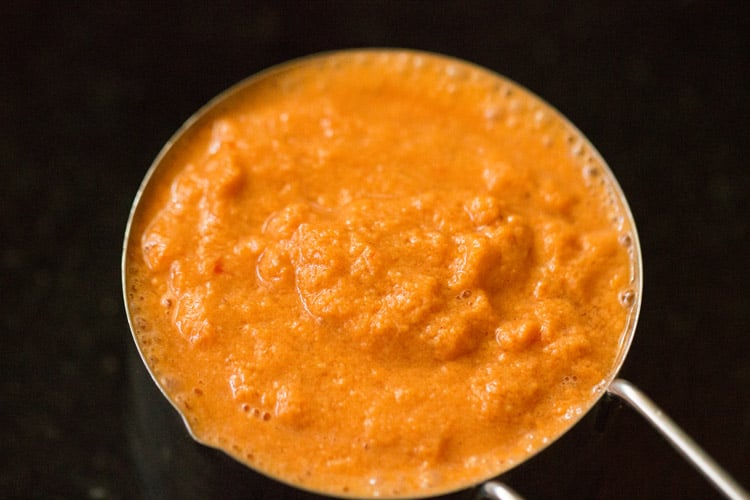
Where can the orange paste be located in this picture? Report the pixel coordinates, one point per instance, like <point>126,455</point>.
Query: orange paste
<point>380,273</point>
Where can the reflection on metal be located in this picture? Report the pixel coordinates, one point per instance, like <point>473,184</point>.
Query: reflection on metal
<point>497,491</point>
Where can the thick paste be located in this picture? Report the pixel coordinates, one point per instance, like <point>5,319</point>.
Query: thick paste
<point>380,273</point>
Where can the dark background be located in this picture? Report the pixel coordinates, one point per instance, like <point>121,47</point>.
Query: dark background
<point>89,92</point>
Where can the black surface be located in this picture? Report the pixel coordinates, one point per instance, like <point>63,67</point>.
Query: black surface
<point>89,92</point>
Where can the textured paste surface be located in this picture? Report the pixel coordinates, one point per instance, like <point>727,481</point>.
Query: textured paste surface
<point>380,273</point>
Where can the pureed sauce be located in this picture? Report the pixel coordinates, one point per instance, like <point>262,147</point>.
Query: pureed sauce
<point>380,273</point>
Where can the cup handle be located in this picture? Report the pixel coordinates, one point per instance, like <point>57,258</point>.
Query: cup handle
<point>679,440</point>
<point>676,437</point>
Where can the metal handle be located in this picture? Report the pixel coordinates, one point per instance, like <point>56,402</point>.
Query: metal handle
<point>678,439</point>
<point>668,428</point>
<point>495,490</point>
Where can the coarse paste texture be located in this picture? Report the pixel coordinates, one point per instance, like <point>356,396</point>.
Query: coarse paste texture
<point>380,273</point>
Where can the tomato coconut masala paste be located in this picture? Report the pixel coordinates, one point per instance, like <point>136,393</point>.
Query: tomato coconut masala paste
<point>380,273</point>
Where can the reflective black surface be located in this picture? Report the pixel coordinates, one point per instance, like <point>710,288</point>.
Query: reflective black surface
<point>90,92</point>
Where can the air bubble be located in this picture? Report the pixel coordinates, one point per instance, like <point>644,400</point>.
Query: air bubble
<point>626,240</point>
<point>599,388</point>
<point>142,324</point>
<point>541,119</point>
<point>627,298</point>
<point>492,113</point>
<point>383,58</point>
<point>325,125</point>
<point>428,479</point>
<point>591,171</point>
<point>453,71</point>
<point>571,413</point>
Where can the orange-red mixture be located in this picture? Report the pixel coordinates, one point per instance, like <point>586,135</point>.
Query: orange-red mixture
<point>380,273</point>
